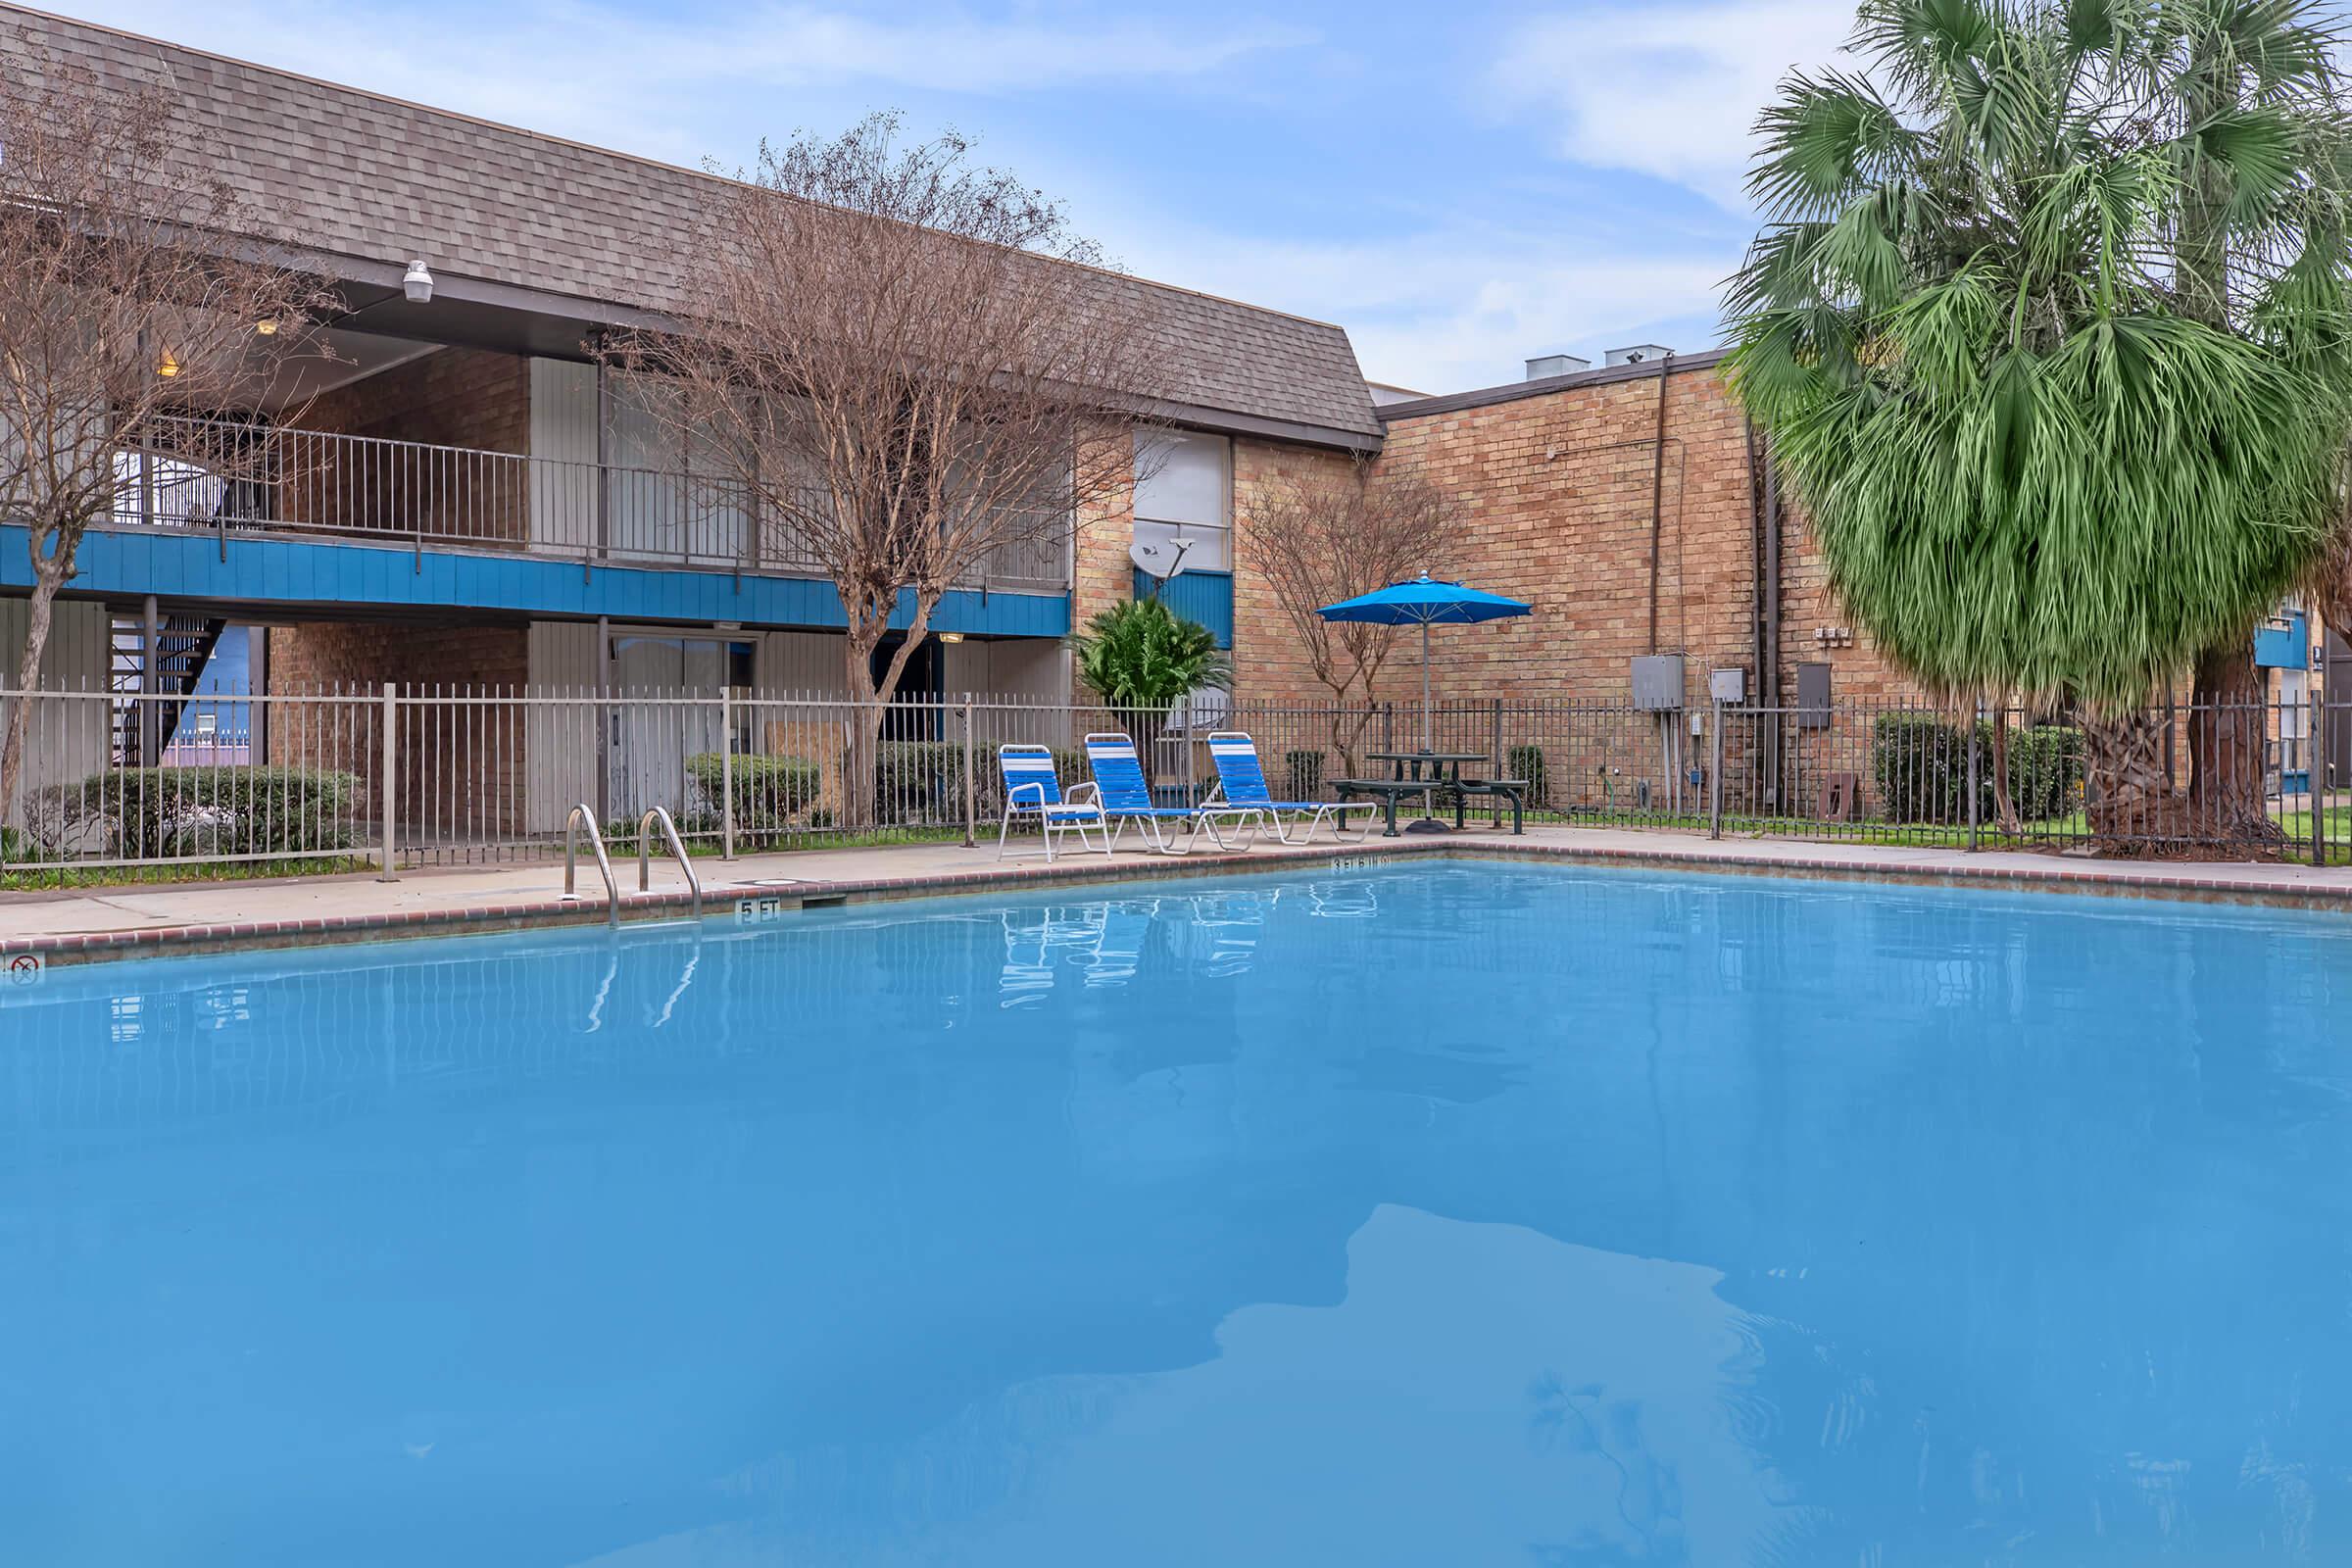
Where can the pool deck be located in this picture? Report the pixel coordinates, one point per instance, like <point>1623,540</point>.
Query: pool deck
<point>88,924</point>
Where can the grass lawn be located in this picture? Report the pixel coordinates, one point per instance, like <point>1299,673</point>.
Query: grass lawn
<point>114,876</point>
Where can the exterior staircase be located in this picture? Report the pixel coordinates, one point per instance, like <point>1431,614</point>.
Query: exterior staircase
<point>183,646</point>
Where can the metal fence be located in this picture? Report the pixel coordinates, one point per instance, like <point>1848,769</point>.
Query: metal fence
<point>399,777</point>
<point>228,477</point>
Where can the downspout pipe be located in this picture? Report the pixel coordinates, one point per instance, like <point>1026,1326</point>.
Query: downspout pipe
<point>1658,495</point>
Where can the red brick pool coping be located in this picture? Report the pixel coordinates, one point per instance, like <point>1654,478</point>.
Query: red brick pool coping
<point>2239,884</point>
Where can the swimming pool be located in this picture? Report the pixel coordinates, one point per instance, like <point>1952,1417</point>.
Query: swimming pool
<point>1447,1212</point>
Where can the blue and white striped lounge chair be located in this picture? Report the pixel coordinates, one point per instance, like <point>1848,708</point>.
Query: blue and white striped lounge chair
<point>1033,790</point>
<point>1126,797</point>
<point>1242,782</point>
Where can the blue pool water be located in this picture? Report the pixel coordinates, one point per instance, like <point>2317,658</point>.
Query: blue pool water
<point>1455,1214</point>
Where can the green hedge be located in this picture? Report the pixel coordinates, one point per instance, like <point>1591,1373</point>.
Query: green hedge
<point>771,792</point>
<point>1920,764</point>
<point>1526,763</point>
<point>920,781</point>
<point>156,812</point>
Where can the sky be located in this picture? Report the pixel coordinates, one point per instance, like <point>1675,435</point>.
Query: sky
<point>1462,186</point>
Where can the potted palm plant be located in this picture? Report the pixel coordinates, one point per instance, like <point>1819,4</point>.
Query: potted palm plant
<point>1142,659</point>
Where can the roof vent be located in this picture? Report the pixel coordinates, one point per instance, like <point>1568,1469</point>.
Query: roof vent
<point>1638,354</point>
<point>1551,365</point>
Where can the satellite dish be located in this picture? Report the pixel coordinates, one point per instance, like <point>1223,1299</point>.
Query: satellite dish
<point>1159,561</point>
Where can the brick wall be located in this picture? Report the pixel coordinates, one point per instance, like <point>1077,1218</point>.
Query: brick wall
<point>1555,493</point>
<point>467,770</point>
<point>452,396</point>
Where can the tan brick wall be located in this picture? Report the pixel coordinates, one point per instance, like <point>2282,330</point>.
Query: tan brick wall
<point>1268,659</point>
<point>1555,498</point>
<point>472,773</point>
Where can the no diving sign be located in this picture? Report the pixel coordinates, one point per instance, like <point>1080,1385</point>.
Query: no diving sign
<point>24,969</point>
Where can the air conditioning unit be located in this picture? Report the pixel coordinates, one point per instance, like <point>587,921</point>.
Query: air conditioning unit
<point>1637,354</point>
<point>1545,367</point>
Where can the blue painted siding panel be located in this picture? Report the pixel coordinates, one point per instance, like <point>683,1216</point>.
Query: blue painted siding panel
<point>1202,596</point>
<point>2286,647</point>
<point>265,572</point>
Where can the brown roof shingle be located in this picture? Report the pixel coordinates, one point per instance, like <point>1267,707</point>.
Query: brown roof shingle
<point>360,174</point>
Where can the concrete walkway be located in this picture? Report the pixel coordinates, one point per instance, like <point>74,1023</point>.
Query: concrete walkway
<point>101,922</point>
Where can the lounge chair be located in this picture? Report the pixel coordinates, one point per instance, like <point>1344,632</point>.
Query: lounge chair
<point>1032,789</point>
<point>1126,797</point>
<point>1242,781</point>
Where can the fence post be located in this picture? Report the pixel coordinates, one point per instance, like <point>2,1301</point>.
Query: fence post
<point>388,780</point>
<point>726,771</point>
<point>1715,772</point>
<point>969,797</point>
<point>2315,764</point>
<point>1975,811</point>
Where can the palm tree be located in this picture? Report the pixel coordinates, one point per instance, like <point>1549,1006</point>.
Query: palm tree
<point>2050,326</point>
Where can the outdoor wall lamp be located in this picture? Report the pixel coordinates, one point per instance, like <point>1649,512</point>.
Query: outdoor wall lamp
<point>417,283</point>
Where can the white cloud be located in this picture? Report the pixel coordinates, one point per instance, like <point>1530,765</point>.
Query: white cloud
<point>637,80</point>
<point>1671,90</point>
<point>1454,308</point>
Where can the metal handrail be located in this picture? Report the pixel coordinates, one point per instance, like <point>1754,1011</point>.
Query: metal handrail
<point>677,850</point>
<point>232,476</point>
<point>604,862</point>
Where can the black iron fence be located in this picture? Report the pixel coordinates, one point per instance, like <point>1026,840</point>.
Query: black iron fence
<point>406,776</point>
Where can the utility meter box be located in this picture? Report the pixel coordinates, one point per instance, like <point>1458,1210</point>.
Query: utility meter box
<point>1658,682</point>
<point>1728,685</point>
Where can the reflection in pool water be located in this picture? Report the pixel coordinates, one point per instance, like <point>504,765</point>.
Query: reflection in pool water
<point>1442,1214</point>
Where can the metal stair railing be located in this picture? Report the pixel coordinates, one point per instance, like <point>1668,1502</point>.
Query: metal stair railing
<point>571,860</point>
<point>658,815</point>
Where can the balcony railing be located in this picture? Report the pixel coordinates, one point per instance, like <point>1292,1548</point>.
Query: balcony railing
<point>233,478</point>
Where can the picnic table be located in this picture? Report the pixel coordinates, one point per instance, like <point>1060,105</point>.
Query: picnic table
<point>1425,773</point>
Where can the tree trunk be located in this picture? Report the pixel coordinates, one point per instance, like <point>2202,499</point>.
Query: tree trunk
<point>47,578</point>
<point>2229,735</point>
<point>2004,801</point>
<point>862,751</point>
<point>2130,799</point>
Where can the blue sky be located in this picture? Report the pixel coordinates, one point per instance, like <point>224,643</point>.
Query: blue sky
<point>1459,185</point>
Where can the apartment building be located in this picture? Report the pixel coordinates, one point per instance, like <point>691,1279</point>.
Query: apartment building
<point>470,498</point>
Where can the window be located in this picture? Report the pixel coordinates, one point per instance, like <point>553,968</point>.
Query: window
<point>1184,490</point>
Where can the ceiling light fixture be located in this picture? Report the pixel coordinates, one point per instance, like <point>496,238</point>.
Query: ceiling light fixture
<point>417,283</point>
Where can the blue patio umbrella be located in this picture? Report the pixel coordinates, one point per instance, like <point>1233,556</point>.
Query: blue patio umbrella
<point>1426,603</point>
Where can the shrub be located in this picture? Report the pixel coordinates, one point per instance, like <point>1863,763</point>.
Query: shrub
<point>1526,763</point>
<point>2045,770</point>
<point>919,780</point>
<point>771,792</point>
<point>1305,775</point>
<point>1920,764</point>
<point>154,812</point>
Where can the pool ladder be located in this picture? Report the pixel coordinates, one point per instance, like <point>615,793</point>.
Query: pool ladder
<point>581,816</point>
<point>660,817</point>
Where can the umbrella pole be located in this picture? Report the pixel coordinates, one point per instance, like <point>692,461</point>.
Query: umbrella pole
<point>1425,746</point>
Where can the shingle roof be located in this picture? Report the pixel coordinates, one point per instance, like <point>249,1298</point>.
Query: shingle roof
<point>360,174</point>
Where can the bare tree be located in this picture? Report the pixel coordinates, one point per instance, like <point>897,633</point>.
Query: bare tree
<point>906,367</point>
<point>1328,536</point>
<point>134,290</point>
